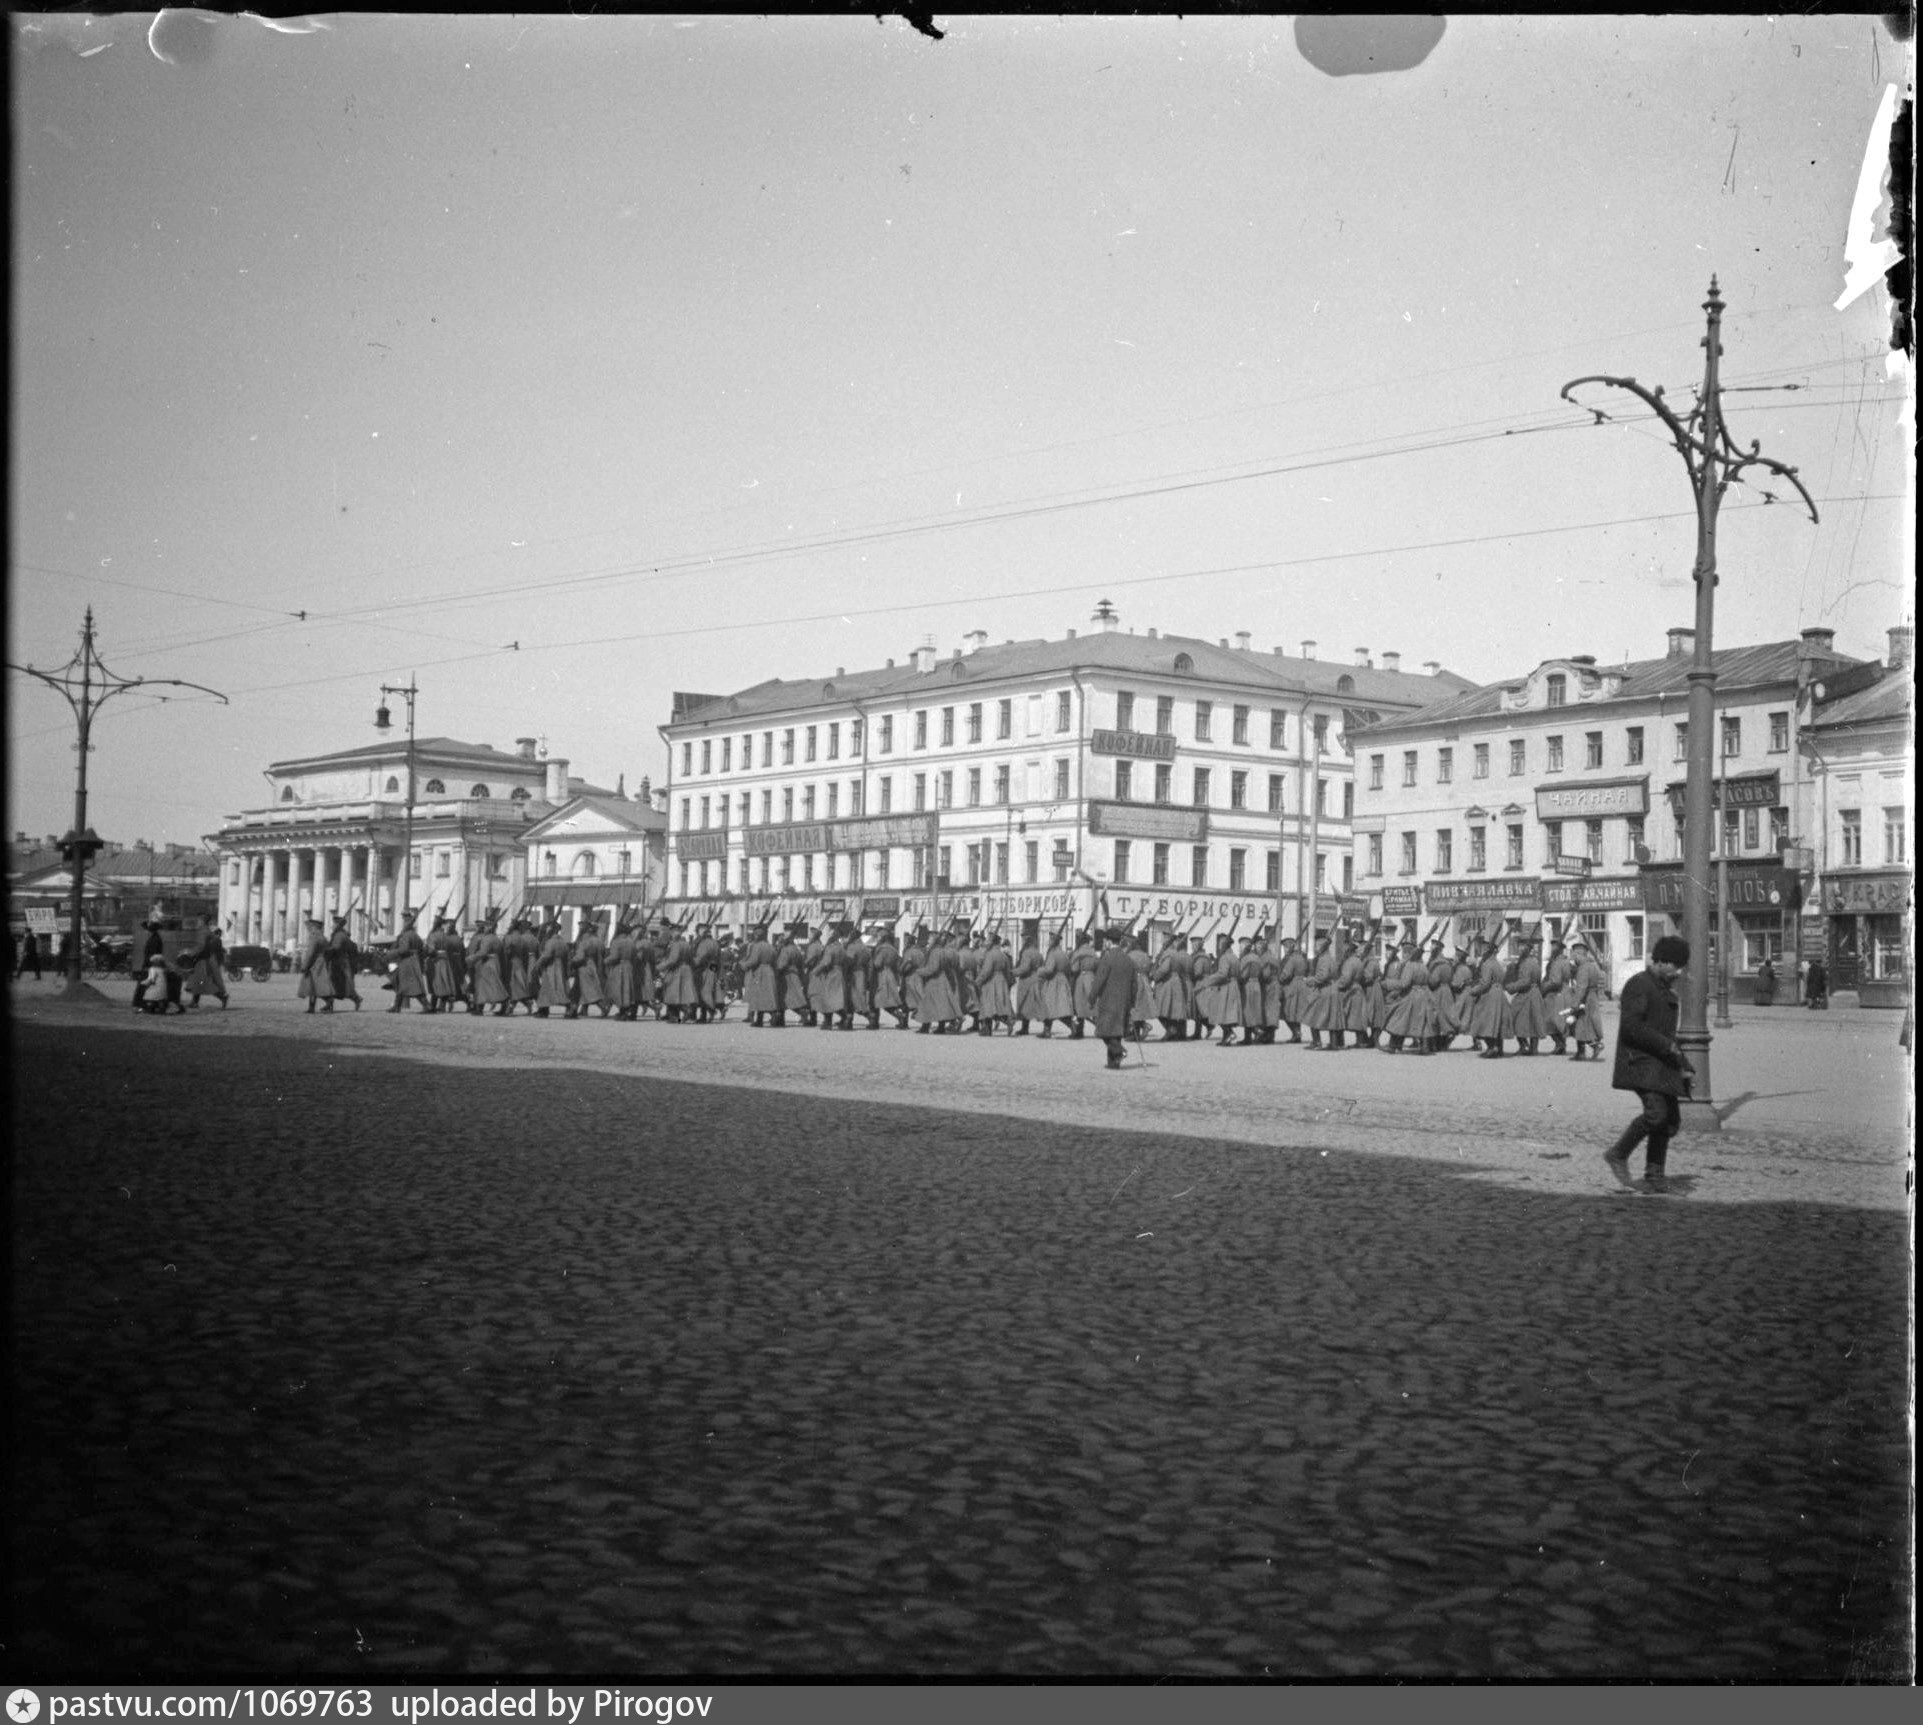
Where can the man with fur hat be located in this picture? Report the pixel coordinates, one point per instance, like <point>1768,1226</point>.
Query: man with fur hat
<point>1651,1062</point>
<point>1111,993</point>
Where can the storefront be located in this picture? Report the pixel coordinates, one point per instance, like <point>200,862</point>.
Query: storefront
<point>1867,924</point>
<point>1760,909</point>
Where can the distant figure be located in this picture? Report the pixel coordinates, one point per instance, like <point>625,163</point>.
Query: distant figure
<point>1766,984</point>
<point>29,955</point>
<point>1816,986</point>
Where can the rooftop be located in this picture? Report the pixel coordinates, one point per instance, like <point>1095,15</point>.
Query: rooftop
<point>1889,698</point>
<point>439,748</point>
<point>1147,656</point>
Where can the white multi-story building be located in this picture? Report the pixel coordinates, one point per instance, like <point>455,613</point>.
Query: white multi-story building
<point>1195,784</point>
<point>1558,796</point>
<point>1861,744</point>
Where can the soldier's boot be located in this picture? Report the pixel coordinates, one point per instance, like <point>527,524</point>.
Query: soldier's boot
<point>1048,1027</point>
<point>827,1021</point>
<point>310,1006</point>
<point>1561,1042</point>
<point>1075,1035</point>
<point>874,1019</point>
<point>1021,1028</point>
<point>923,1029</point>
<point>1295,1032</point>
<point>1393,1045</point>
<point>1492,1048</point>
<point>327,1006</point>
<point>984,1027</point>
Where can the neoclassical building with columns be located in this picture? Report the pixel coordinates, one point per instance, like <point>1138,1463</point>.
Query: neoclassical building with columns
<point>333,837</point>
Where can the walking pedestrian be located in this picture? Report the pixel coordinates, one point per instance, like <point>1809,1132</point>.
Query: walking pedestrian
<point>1111,993</point>
<point>207,972</point>
<point>316,979</point>
<point>1650,1062</point>
<point>29,955</point>
<point>1816,986</point>
<point>150,949</point>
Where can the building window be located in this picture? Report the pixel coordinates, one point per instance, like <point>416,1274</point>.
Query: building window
<point>687,814</point>
<point>1238,869</point>
<point>1633,839</point>
<point>1592,748</point>
<point>583,865</point>
<point>1165,715</point>
<point>1732,832</point>
<point>1445,851</point>
<point>1064,710</point>
<point>807,802</point>
<point>1852,820</point>
<point>885,737</point>
<point>706,809</point>
<point>921,729</point>
<point>1555,755</point>
<point>787,805</point>
<point>1348,799</point>
<point>393,784</point>
<point>1518,757</point>
<point>1204,710</point>
<point>1478,849</point>
<point>687,760</point>
<point>1002,773</point>
<point>1158,866</point>
<point>1375,853</point>
<point>974,787</point>
<point>1682,741</point>
<point>707,756</point>
<point>1778,830</point>
<point>834,742</point>
<point>1276,782</point>
<point>1121,862</point>
<point>1034,715</point>
<point>1124,711</point>
<point>1273,870</point>
<point>1557,686</point>
<point>788,747</point>
<point>1124,780</point>
<point>1061,780</point>
<point>1593,837</point>
<point>480,792</point>
<point>808,750</point>
<point>1348,872</point>
<point>1635,752</point>
<point>1164,783</point>
<point>1779,733</point>
<point>1445,766</point>
<point>975,721</point>
<point>434,788</point>
<point>887,792</point>
<point>974,853</point>
<point>1515,844</point>
<point>1896,836</point>
<point>1032,861</point>
<point>1001,864</point>
<point>1752,829</point>
<point>945,789</point>
<point>1732,735</point>
<point>948,727</point>
<point>1408,853</point>
<point>834,799</point>
<point>1238,790</point>
<point>1004,729</point>
<point>1481,768</point>
<point>443,866</point>
<point>1375,772</point>
<point>1278,728</point>
<point>1239,725</point>
<point>921,792</point>
<point>855,801</point>
<point>1552,840</point>
<point>1321,797</point>
<point>1198,865</point>
<point>767,807</point>
<point>727,754</point>
<point>1201,798</point>
<point>550,864</point>
<point>1408,766</point>
<point>767,748</point>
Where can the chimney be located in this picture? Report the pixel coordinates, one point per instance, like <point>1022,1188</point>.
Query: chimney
<point>1392,661</point>
<point>1107,616</point>
<point>1817,643</point>
<point>924,658</point>
<point>1222,641</point>
<point>977,639</point>
<point>645,795</point>
<point>524,747</point>
<point>1433,667</point>
<point>841,670</point>
<point>1902,644</point>
<point>1308,649</point>
<point>1362,657</point>
<point>1242,639</point>
<point>1682,643</point>
<point>1071,634</point>
<point>557,785</point>
<point>1154,634</point>
<point>621,786</point>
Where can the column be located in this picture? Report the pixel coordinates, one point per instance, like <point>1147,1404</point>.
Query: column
<point>275,912</point>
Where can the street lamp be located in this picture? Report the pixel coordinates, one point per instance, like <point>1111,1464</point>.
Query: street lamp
<point>88,685</point>
<point>383,721</point>
<point>1714,463</point>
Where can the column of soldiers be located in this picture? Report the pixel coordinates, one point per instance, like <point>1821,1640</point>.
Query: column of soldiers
<point>1349,989</point>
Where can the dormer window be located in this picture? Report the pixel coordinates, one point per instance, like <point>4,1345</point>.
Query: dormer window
<point>1556,685</point>
<point>287,793</point>
<point>1183,662</point>
<point>1344,685</point>
<point>393,784</point>
<point>434,788</point>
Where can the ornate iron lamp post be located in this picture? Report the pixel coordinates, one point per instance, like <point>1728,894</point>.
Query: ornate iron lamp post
<point>88,685</point>
<point>1714,463</point>
<point>383,721</point>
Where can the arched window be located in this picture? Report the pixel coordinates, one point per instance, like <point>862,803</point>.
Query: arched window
<point>434,788</point>
<point>480,791</point>
<point>1183,662</point>
<point>1344,684</point>
<point>519,794</point>
<point>287,793</point>
<point>584,864</point>
<point>827,691</point>
<point>393,784</point>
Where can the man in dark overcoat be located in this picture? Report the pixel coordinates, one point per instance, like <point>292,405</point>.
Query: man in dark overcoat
<point>1649,1062</point>
<point>1112,993</point>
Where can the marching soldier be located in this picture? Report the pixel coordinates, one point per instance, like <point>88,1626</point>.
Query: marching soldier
<point>1324,1015</point>
<point>551,972</point>
<point>939,1007</point>
<point>343,960</point>
<point>1487,1003</point>
<point>1556,974</point>
<point>316,981</point>
<point>680,995</point>
<point>1058,987</point>
<point>1524,1018</point>
<point>1584,995</point>
<point>968,963</point>
<point>886,966</point>
<point>590,972</point>
<point>1375,999</point>
<point>1354,1006</point>
<point>858,959</point>
<point>828,982</point>
<point>1143,1008</point>
<point>711,1003</point>
<point>1248,984</point>
<point>1028,985</point>
<point>521,954</point>
<point>1412,1010</point>
<point>485,984</point>
<point>913,956</point>
<point>758,979</point>
<point>791,984</point>
<point>994,1003</point>
<point>624,996</point>
<point>1294,977</point>
<point>1170,978</point>
<point>1202,988</point>
<point>1081,967</point>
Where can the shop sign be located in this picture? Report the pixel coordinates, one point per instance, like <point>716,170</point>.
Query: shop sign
<point>1753,791</point>
<point>1567,864</point>
<point>1866,894</point>
<point>40,919</point>
<point>1148,821</point>
<point>834,907</point>
<point>859,833</point>
<point>1591,801</point>
<point>1443,896</point>
<point>1138,745</point>
<point>1752,886</point>
<point>1402,901</point>
<point>881,904</point>
<point>701,847</point>
<point>1197,910</point>
<point>1564,896</point>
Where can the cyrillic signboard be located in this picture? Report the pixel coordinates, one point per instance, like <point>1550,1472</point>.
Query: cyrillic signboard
<point>701,847</point>
<point>1402,901</point>
<point>1860,894</point>
<point>1752,791</point>
<point>1567,864</point>
<point>1453,895</point>
<point>862,833</point>
<point>40,919</point>
<point>1139,745</point>
<point>1589,801</point>
<point>1563,895</point>
<point>1148,821</point>
<point>1752,886</point>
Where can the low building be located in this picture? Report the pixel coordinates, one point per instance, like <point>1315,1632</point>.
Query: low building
<point>598,853</point>
<point>1558,797</point>
<point>333,838</point>
<point>1191,785</point>
<point>1860,742</point>
<point>125,886</point>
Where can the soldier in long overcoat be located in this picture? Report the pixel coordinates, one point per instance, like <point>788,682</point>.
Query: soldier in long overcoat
<point>1524,1018</point>
<point>521,954</point>
<point>709,1001</point>
<point>589,961</point>
<point>1412,1008</point>
<point>1584,1002</point>
<point>1028,985</point>
<point>1169,977</point>
<point>551,973</point>
<point>968,964</point>
<point>1355,1003</point>
<point>680,996</point>
<point>486,981</point>
<point>1058,987</point>
<point>758,979</point>
<point>994,999</point>
<point>939,1006</point>
<point>1248,983</point>
<point>1294,977</point>
<point>1144,1008</point>
<point>1375,999</point>
<point>791,986</point>
<point>828,983</point>
<point>1556,974</point>
<point>913,956</point>
<point>1081,968</point>
<point>619,972</point>
<point>1487,1002</point>
<point>1442,998</point>
<point>1201,988</point>
<point>316,980</point>
<point>858,977</point>
<point>886,966</point>
<point>1324,1014</point>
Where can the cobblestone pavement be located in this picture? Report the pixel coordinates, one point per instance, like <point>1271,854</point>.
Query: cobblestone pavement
<point>330,1361</point>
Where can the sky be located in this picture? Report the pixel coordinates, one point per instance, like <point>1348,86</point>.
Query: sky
<point>562,363</point>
